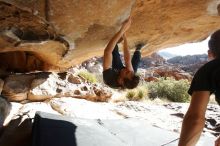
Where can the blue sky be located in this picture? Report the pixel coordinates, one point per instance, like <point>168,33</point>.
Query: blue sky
<point>189,49</point>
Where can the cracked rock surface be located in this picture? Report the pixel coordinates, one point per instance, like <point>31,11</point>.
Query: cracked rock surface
<point>55,34</point>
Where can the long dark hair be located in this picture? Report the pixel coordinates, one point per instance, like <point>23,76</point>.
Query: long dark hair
<point>214,43</point>
<point>131,83</point>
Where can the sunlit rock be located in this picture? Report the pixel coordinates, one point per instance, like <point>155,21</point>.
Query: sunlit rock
<point>55,35</point>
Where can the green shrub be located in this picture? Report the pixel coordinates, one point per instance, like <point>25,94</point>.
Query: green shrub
<point>140,94</point>
<point>137,94</point>
<point>169,88</point>
<point>88,76</point>
<point>130,95</point>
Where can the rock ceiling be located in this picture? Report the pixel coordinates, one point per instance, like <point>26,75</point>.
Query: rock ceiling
<point>56,34</point>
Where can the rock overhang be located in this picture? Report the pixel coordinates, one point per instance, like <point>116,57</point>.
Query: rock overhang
<point>55,35</point>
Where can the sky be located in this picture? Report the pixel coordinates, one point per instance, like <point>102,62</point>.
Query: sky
<point>189,49</point>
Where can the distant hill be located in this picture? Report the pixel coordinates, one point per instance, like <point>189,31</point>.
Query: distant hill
<point>152,61</point>
<point>189,63</point>
<point>166,55</point>
<point>189,59</point>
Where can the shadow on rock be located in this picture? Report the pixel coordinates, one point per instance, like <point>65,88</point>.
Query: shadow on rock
<point>17,133</point>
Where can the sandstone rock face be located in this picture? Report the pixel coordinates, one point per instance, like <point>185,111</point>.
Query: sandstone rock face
<point>43,86</point>
<point>16,87</point>
<point>73,79</point>
<point>56,34</point>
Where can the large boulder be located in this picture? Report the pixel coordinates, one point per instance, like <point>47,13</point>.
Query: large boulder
<point>46,85</point>
<point>16,87</point>
<point>55,34</point>
<point>50,85</point>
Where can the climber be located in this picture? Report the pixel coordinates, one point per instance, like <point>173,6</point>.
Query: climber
<point>205,82</point>
<point>115,74</point>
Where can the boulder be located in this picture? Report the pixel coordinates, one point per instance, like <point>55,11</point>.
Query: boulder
<point>45,86</point>
<point>74,79</point>
<point>56,35</point>
<point>50,85</point>
<point>16,87</point>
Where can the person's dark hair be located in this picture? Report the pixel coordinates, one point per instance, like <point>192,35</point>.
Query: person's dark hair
<point>214,43</point>
<point>139,46</point>
<point>131,83</point>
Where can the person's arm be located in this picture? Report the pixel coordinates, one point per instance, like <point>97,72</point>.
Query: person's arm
<point>127,55</point>
<point>194,119</point>
<point>217,142</point>
<point>107,59</point>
